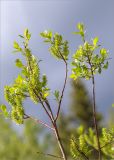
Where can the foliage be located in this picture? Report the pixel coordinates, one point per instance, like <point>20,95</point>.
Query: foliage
<point>58,47</point>
<point>87,59</point>
<point>23,144</point>
<point>84,144</point>
<point>29,82</point>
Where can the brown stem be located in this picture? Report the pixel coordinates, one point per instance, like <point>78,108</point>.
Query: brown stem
<point>83,154</point>
<point>59,106</point>
<point>94,106</point>
<point>59,141</point>
<point>38,121</point>
<point>50,115</point>
<point>55,128</point>
<point>94,117</point>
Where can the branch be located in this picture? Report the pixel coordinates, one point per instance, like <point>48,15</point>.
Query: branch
<point>38,121</point>
<point>81,152</point>
<point>48,106</point>
<point>108,143</point>
<point>40,100</point>
<point>25,95</point>
<point>94,107</point>
<point>62,93</point>
<point>50,113</point>
<point>51,155</point>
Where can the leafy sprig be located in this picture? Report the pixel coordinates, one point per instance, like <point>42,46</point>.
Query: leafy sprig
<point>89,58</point>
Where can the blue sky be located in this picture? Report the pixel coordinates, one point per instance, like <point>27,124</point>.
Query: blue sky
<point>60,16</point>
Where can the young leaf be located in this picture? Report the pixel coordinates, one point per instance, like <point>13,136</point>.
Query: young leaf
<point>103,52</point>
<point>19,63</point>
<point>21,36</point>
<point>105,65</point>
<point>56,94</point>
<point>80,27</point>
<point>3,108</point>
<point>16,45</point>
<point>46,34</point>
<point>27,34</point>
<point>95,41</point>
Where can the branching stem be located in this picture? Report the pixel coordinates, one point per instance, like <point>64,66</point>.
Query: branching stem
<point>49,112</point>
<point>50,115</point>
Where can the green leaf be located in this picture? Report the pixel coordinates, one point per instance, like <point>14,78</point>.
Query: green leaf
<point>113,105</point>
<point>76,32</point>
<point>6,114</point>
<point>46,94</point>
<point>103,52</point>
<point>44,80</point>
<point>95,41</point>
<point>106,65</point>
<point>21,36</point>
<point>16,45</point>
<point>73,76</point>
<point>27,34</point>
<point>56,94</point>
<point>80,27</point>
<point>99,70</point>
<point>3,108</point>
<point>19,79</point>
<point>19,63</point>
<point>46,34</point>
<point>47,41</point>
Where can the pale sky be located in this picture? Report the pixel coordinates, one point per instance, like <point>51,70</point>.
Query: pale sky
<point>60,16</point>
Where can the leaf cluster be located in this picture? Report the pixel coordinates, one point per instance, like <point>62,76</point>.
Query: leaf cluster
<point>58,47</point>
<point>29,82</point>
<point>85,143</point>
<point>89,59</point>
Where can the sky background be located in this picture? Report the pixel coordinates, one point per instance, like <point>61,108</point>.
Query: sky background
<point>60,16</point>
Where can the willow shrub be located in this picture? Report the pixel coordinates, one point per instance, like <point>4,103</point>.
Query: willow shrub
<point>88,60</point>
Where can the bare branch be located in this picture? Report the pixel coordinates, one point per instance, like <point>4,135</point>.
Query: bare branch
<point>38,121</point>
<point>62,93</point>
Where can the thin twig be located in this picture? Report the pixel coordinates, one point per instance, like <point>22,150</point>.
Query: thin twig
<point>25,95</point>
<point>48,106</point>
<point>108,143</point>
<point>60,142</point>
<point>51,155</point>
<point>40,100</point>
<point>94,107</point>
<point>38,121</point>
<point>62,93</point>
<point>81,152</point>
<point>55,128</point>
<point>95,120</point>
